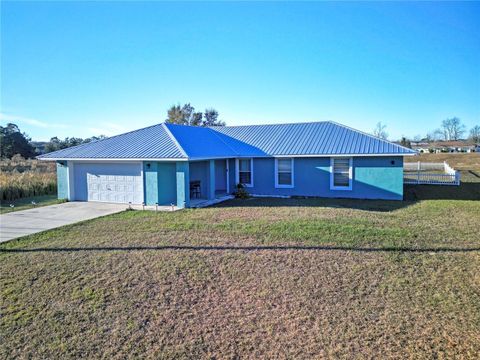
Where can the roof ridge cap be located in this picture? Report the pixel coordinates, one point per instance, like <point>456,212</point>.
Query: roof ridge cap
<point>291,123</point>
<point>174,139</point>
<point>216,133</point>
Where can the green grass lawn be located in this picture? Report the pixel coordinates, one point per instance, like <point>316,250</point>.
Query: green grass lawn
<point>26,203</point>
<point>257,278</point>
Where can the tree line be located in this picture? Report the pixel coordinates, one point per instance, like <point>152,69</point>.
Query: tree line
<point>451,129</point>
<point>15,142</point>
<point>186,115</point>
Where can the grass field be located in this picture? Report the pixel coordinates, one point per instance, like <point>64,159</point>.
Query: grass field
<point>256,278</point>
<point>460,161</point>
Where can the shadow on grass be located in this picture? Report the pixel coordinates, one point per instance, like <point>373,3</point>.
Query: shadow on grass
<point>465,191</point>
<point>359,204</point>
<point>244,249</point>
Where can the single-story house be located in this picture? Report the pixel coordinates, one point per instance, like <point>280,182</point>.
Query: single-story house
<point>175,164</point>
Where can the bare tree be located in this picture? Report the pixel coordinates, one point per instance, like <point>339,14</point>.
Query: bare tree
<point>453,128</point>
<point>379,131</point>
<point>475,134</point>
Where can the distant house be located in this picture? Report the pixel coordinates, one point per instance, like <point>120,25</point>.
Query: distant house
<point>421,147</point>
<point>181,165</point>
<point>446,146</point>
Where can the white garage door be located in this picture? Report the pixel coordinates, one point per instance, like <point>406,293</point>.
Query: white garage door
<point>109,182</point>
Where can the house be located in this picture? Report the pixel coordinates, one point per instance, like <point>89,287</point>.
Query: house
<point>445,146</point>
<point>175,164</point>
<point>453,146</point>
<point>421,147</point>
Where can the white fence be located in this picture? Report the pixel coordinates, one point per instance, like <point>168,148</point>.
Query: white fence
<point>430,174</point>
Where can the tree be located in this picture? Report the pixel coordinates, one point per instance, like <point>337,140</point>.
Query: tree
<point>453,128</point>
<point>405,142</point>
<point>186,115</point>
<point>475,134</point>
<point>211,118</point>
<point>435,135</point>
<point>379,131</point>
<point>175,115</point>
<point>58,144</point>
<point>13,142</point>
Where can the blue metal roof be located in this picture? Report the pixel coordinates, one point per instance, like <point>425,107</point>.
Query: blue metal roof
<point>153,142</point>
<point>316,138</point>
<point>200,142</point>
<point>169,141</point>
<point>204,143</point>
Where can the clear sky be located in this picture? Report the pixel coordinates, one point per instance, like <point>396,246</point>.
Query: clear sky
<point>89,68</point>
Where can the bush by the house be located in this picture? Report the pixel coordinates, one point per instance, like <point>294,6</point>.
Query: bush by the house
<point>241,192</point>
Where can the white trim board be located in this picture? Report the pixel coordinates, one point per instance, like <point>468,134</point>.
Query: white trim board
<point>110,160</point>
<point>227,157</point>
<point>339,155</point>
<point>350,176</point>
<point>237,172</point>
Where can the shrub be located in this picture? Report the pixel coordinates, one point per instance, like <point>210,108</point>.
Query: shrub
<point>241,192</point>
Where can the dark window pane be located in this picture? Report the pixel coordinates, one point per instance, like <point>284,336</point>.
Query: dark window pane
<point>284,178</point>
<point>245,177</point>
<point>341,180</point>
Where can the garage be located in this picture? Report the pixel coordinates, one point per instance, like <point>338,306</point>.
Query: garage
<point>108,182</point>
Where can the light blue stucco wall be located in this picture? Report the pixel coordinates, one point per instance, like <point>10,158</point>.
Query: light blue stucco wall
<point>167,184</point>
<point>150,173</point>
<point>62,180</point>
<point>160,183</point>
<point>373,178</point>
<point>182,169</point>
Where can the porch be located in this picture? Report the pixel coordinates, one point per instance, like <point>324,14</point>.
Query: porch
<point>208,182</point>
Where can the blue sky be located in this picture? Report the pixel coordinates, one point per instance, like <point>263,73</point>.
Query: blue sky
<point>86,68</point>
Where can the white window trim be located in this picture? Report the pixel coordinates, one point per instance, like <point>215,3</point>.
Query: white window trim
<point>350,177</point>
<point>237,172</point>
<point>281,186</point>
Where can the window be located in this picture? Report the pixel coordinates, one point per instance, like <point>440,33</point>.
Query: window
<point>284,173</point>
<point>245,172</point>
<point>341,173</point>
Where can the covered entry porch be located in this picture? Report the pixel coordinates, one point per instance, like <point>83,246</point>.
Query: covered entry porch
<point>209,182</point>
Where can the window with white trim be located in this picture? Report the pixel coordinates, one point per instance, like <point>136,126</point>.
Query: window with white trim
<point>245,172</point>
<point>284,173</point>
<point>341,173</point>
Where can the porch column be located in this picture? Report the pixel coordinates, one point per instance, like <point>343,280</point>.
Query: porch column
<point>183,184</point>
<point>211,179</point>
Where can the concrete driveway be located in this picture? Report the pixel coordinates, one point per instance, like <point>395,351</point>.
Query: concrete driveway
<point>26,222</point>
